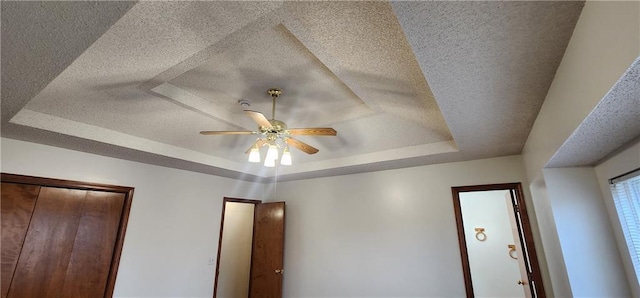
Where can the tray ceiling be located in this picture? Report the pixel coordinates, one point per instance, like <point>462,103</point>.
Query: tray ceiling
<point>142,80</point>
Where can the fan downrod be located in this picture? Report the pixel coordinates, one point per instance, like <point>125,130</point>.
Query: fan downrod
<point>274,92</point>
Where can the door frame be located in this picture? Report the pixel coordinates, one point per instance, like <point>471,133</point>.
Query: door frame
<point>224,205</point>
<point>71,184</point>
<point>526,230</point>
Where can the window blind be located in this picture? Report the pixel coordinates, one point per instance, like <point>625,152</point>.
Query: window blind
<point>626,196</point>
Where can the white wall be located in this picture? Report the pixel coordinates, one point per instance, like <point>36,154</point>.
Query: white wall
<point>557,280</point>
<point>493,272</point>
<point>174,221</point>
<point>235,252</point>
<point>589,248</point>
<point>605,42</point>
<point>620,163</point>
<point>382,234</point>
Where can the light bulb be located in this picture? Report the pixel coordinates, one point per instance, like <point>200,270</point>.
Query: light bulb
<point>269,162</point>
<point>286,157</point>
<point>272,153</point>
<point>254,155</point>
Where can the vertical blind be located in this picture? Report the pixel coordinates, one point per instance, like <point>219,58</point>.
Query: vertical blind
<point>626,195</point>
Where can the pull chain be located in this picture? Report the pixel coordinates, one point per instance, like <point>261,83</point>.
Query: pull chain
<point>275,183</point>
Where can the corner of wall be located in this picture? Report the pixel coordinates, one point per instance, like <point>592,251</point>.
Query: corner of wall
<point>556,280</point>
<point>605,41</point>
<point>583,225</point>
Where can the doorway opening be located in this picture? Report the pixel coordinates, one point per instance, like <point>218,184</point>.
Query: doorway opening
<point>496,242</point>
<point>250,249</point>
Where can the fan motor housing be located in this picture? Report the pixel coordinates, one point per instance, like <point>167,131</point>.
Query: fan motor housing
<point>278,127</point>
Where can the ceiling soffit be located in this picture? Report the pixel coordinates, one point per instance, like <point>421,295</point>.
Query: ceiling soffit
<point>612,124</point>
<point>489,63</point>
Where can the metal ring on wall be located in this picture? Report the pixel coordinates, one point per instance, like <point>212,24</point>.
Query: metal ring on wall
<point>512,249</point>
<point>480,235</point>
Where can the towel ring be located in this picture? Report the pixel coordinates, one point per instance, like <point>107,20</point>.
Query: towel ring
<point>480,235</point>
<point>512,250</point>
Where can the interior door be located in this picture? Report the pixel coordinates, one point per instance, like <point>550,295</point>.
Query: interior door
<point>61,238</point>
<point>68,248</point>
<point>268,251</point>
<point>531,279</point>
<point>521,253</point>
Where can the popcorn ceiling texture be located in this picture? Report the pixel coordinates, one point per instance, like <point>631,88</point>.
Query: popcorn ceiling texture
<point>613,123</point>
<point>312,95</point>
<point>40,39</point>
<point>369,69</point>
<point>237,60</point>
<point>489,64</point>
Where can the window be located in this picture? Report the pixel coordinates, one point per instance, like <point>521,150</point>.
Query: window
<point>626,195</point>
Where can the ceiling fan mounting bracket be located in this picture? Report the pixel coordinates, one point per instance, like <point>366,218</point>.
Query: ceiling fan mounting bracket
<point>274,92</point>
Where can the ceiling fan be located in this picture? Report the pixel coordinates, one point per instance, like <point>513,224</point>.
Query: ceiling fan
<point>275,134</point>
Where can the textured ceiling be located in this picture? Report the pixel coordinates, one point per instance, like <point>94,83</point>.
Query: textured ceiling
<point>140,81</point>
<point>490,64</point>
<point>613,123</point>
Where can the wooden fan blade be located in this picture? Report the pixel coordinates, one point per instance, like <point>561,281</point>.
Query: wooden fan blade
<point>258,143</point>
<point>317,131</point>
<point>259,118</point>
<point>213,132</point>
<point>302,146</point>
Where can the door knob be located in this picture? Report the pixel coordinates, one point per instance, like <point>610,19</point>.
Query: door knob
<point>520,282</point>
<point>279,271</point>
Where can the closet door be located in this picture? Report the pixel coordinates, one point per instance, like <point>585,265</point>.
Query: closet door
<point>68,247</point>
<point>61,238</point>
<point>93,247</point>
<point>18,201</point>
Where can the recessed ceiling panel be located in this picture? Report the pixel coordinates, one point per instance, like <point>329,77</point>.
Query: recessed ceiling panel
<point>312,94</point>
<point>367,41</point>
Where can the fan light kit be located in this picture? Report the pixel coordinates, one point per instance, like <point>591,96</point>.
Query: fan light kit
<point>275,135</point>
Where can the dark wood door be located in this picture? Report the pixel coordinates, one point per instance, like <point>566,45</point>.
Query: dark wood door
<point>267,255</point>
<point>94,244</point>
<point>18,201</point>
<point>68,249</point>
<point>61,238</point>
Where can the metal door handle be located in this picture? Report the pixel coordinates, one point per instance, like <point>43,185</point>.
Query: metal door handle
<point>279,271</point>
